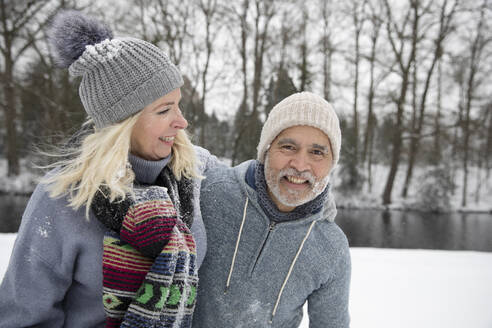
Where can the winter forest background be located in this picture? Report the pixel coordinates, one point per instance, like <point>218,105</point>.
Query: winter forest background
<point>410,79</point>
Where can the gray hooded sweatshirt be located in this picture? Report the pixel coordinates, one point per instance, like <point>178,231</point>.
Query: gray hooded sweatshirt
<point>258,274</point>
<point>54,278</point>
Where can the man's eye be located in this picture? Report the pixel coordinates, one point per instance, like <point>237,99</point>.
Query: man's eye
<point>288,147</point>
<point>318,152</point>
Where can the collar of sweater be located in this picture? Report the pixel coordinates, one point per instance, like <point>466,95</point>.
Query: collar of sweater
<point>147,171</point>
<point>255,178</point>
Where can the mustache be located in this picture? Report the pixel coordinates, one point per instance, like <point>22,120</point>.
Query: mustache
<point>299,174</point>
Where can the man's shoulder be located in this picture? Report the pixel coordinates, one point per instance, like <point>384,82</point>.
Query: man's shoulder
<point>329,236</point>
<point>221,175</point>
<point>329,249</point>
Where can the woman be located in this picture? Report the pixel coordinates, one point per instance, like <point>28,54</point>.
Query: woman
<point>136,155</point>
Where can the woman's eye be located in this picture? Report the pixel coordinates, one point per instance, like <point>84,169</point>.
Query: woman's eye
<point>163,111</point>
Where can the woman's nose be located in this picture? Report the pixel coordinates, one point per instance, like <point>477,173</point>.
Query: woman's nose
<point>180,122</point>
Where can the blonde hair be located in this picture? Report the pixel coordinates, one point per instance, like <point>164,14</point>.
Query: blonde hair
<point>102,161</point>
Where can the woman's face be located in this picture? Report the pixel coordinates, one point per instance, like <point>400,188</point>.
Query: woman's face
<point>154,132</point>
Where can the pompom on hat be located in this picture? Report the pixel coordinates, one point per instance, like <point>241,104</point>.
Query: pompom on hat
<point>120,76</point>
<point>303,108</point>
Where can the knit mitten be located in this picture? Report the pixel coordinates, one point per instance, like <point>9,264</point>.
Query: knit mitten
<point>111,214</point>
<point>149,221</point>
<point>145,221</point>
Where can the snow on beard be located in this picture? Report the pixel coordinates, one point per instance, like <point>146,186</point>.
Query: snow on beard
<point>289,197</point>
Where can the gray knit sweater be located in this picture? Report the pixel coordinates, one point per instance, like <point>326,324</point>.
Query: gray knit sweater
<point>275,269</point>
<point>54,278</point>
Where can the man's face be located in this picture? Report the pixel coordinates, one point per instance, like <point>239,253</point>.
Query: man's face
<point>297,165</point>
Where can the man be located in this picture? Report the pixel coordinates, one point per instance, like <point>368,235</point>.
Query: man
<point>272,242</point>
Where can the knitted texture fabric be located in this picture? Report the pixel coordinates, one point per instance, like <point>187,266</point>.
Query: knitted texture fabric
<point>147,171</point>
<point>181,193</point>
<point>149,273</point>
<point>120,76</point>
<point>303,108</point>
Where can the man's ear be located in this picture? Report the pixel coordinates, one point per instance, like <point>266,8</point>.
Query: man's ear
<point>265,155</point>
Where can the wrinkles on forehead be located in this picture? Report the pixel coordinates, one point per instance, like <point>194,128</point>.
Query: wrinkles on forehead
<point>284,141</point>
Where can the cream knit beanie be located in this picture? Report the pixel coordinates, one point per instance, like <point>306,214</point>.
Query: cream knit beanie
<point>303,108</point>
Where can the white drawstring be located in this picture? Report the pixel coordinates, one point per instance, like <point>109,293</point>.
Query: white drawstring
<point>290,270</point>
<point>291,266</point>
<point>237,246</point>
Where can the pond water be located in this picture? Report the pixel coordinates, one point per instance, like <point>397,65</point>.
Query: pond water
<point>412,229</point>
<point>364,228</point>
<point>11,209</point>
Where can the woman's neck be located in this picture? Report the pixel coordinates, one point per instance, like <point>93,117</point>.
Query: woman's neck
<point>147,171</point>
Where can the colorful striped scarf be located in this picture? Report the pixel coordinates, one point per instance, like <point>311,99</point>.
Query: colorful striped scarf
<point>149,273</point>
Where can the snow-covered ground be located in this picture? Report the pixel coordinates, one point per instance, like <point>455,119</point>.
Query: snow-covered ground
<point>404,288</point>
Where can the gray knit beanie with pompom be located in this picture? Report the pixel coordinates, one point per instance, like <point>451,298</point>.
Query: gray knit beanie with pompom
<point>120,76</point>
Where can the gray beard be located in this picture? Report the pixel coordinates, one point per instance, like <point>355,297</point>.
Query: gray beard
<point>292,198</point>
